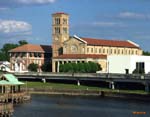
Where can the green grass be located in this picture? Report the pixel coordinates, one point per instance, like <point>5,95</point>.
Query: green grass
<point>40,85</point>
<point>58,86</point>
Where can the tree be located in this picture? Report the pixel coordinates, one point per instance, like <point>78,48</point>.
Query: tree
<point>22,42</point>
<point>146,53</point>
<point>5,49</point>
<point>46,67</point>
<point>4,55</point>
<point>33,67</point>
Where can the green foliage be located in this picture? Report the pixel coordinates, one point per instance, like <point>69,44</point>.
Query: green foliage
<point>75,67</point>
<point>61,68</point>
<point>33,67</point>
<point>146,53</point>
<point>81,67</point>
<point>4,55</point>
<point>89,67</point>
<point>68,67</point>
<point>47,67</point>
<point>4,51</point>
<point>22,42</point>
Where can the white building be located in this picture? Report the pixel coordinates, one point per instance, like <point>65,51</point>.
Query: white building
<point>127,63</point>
<point>5,66</point>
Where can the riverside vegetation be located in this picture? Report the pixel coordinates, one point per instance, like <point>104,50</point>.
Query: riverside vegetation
<point>41,85</point>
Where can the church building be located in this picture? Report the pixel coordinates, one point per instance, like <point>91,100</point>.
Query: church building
<point>76,49</point>
<point>66,48</point>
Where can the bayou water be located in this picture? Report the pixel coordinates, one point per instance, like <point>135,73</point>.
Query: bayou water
<point>75,106</point>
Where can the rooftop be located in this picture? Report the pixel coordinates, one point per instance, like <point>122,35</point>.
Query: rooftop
<point>59,13</point>
<point>32,48</point>
<point>81,56</point>
<point>113,43</point>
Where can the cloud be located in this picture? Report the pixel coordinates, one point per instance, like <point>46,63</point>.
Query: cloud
<point>108,24</point>
<point>34,1</point>
<point>132,15</point>
<point>11,29</point>
<point>5,4</point>
<point>12,26</point>
<point>3,8</point>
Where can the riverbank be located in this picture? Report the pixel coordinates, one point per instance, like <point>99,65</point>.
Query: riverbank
<point>75,90</point>
<point>90,93</point>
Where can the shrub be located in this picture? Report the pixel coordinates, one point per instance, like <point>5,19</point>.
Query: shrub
<point>46,67</point>
<point>33,67</point>
<point>89,67</point>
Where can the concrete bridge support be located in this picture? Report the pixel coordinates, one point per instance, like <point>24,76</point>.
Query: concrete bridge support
<point>147,89</point>
<point>112,85</point>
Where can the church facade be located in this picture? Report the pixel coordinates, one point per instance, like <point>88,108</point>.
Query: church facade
<point>76,49</point>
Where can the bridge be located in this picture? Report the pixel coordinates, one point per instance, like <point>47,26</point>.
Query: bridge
<point>113,81</point>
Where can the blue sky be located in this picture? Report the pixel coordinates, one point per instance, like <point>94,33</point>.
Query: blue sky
<point>105,19</point>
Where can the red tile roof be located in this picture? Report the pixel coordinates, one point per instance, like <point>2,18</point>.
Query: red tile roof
<point>81,56</point>
<point>32,48</point>
<point>113,43</point>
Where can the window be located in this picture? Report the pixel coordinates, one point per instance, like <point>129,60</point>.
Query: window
<point>83,49</point>
<point>99,50</point>
<point>107,51</point>
<point>122,51</point>
<point>12,54</point>
<point>140,67</point>
<point>114,51</point>
<point>64,21</point>
<point>110,51</point>
<point>87,50</point>
<point>91,50</point>
<point>64,30</point>
<point>125,51</point>
<point>136,52</point>
<point>35,54</point>
<point>23,54</point>
<point>57,30</point>
<point>57,20</point>
<point>118,51</point>
<point>95,50</point>
<point>17,54</point>
<point>129,51</point>
<point>103,50</point>
<point>30,54</point>
<point>39,55</point>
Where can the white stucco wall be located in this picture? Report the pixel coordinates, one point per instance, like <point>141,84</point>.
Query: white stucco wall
<point>118,63</point>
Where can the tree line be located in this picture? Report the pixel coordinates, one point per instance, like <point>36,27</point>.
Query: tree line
<point>4,55</point>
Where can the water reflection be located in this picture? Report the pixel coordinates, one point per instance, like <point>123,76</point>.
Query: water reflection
<point>67,106</point>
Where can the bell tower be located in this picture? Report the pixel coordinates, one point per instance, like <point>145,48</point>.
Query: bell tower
<point>60,32</point>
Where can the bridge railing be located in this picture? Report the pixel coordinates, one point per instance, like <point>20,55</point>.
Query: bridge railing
<point>83,75</point>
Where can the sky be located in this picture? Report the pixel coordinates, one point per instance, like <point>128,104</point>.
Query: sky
<point>31,20</point>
